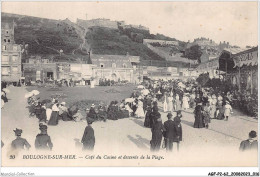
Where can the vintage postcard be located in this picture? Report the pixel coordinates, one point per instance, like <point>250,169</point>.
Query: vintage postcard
<point>139,84</point>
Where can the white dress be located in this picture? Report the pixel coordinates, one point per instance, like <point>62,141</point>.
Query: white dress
<point>170,104</point>
<point>140,111</point>
<point>165,104</point>
<point>185,102</point>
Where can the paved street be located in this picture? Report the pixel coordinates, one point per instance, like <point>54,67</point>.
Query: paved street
<point>216,146</point>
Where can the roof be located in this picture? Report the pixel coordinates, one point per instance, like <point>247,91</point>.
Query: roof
<point>247,51</point>
<point>113,57</point>
<point>233,51</point>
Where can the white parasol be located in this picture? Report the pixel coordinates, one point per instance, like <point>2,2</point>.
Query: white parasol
<point>28,95</point>
<point>140,86</point>
<point>6,90</point>
<point>35,92</point>
<point>145,92</point>
<point>129,100</point>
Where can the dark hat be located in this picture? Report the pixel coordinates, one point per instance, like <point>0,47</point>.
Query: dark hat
<point>18,131</point>
<point>179,112</point>
<point>169,115</point>
<point>252,134</point>
<point>43,127</point>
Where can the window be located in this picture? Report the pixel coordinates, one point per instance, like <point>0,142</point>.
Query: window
<point>15,69</point>
<point>102,65</point>
<point>124,65</point>
<point>4,40</point>
<point>4,47</point>
<point>5,59</point>
<point>14,58</point>
<point>7,31</point>
<point>5,71</point>
<point>8,40</point>
<point>15,47</point>
<point>113,65</point>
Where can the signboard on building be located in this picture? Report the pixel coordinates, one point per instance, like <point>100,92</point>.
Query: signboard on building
<point>250,58</point>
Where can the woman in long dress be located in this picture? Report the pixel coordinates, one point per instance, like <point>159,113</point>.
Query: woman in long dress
<point>177,102</point>
<point>213,107</point>
<point>140,110</point>
<point>170,103</point>
<point>198,116</point>
<point>185,102</point>
<point>54,115</point>
<point>147,117</point>
<point>165,102</point>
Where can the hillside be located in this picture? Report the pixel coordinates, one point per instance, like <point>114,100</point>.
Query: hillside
<point>48,37</point>
<point>112,42</point>
<point>43,36</point>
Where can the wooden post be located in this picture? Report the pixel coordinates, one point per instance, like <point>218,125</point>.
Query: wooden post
<point>251,81</point>
<point>226,70</point>
<point>239,79</point>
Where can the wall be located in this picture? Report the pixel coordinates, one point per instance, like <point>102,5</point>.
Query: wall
<point>97,22</point>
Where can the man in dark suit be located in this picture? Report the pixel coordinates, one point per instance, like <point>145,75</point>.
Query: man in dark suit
<point>88,138</point>
<point>249,144</point>
<point>169,132</point>
<point>43,140</point>
<point>177,128</point>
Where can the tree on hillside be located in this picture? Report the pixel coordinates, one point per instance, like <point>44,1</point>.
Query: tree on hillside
<point>203,79</point>
<point>193,53</point>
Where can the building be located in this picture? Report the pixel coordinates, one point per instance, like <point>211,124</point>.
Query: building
<point>241,68</point>
<point>39,69</point>
<point>116,67</point>
<point>161,42</point>
<point>101,22</point>
<point>11,55</point>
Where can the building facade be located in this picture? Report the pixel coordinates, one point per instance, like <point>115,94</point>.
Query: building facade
<point>116,67</point>
<point>11,55</point>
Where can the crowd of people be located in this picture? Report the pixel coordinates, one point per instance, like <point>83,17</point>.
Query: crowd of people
<point>173,95</point>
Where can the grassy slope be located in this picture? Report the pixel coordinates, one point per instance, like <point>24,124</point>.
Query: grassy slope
<point>112,42</point>
<point>45,38</point>
<point>39,33</point>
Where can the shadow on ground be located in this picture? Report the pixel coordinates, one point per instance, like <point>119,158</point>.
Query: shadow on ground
<point>139,141</point>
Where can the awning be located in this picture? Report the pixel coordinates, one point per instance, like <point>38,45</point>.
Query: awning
<point>247,59</point>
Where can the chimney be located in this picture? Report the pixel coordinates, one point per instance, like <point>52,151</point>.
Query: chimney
<point>227,43</point>
<point>224,42</point>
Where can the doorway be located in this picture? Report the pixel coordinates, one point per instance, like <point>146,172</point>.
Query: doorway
<point>50,75</point>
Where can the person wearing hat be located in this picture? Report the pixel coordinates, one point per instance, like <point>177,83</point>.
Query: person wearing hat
<point>19,143</point>
<point>228,110</point>
<point>63,112</point>
<point>213,107</point>
<point>157,132</point>
<point>54,119</point>
<point>92,113</point>
<point>102,114</point>
<point>198,114</point>
<point>169,132</point>
<point>250,144</point>
<point>88,139</point>
<point>185,101</point>
<point>178,129</point>
<point>43,140</point>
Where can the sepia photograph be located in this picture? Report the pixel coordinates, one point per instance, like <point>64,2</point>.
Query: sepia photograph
<point>129,84</point>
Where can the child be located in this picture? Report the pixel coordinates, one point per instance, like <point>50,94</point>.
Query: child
<point>228,110</point>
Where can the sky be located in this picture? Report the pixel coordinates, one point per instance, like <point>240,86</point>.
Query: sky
<point>233,22</point>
